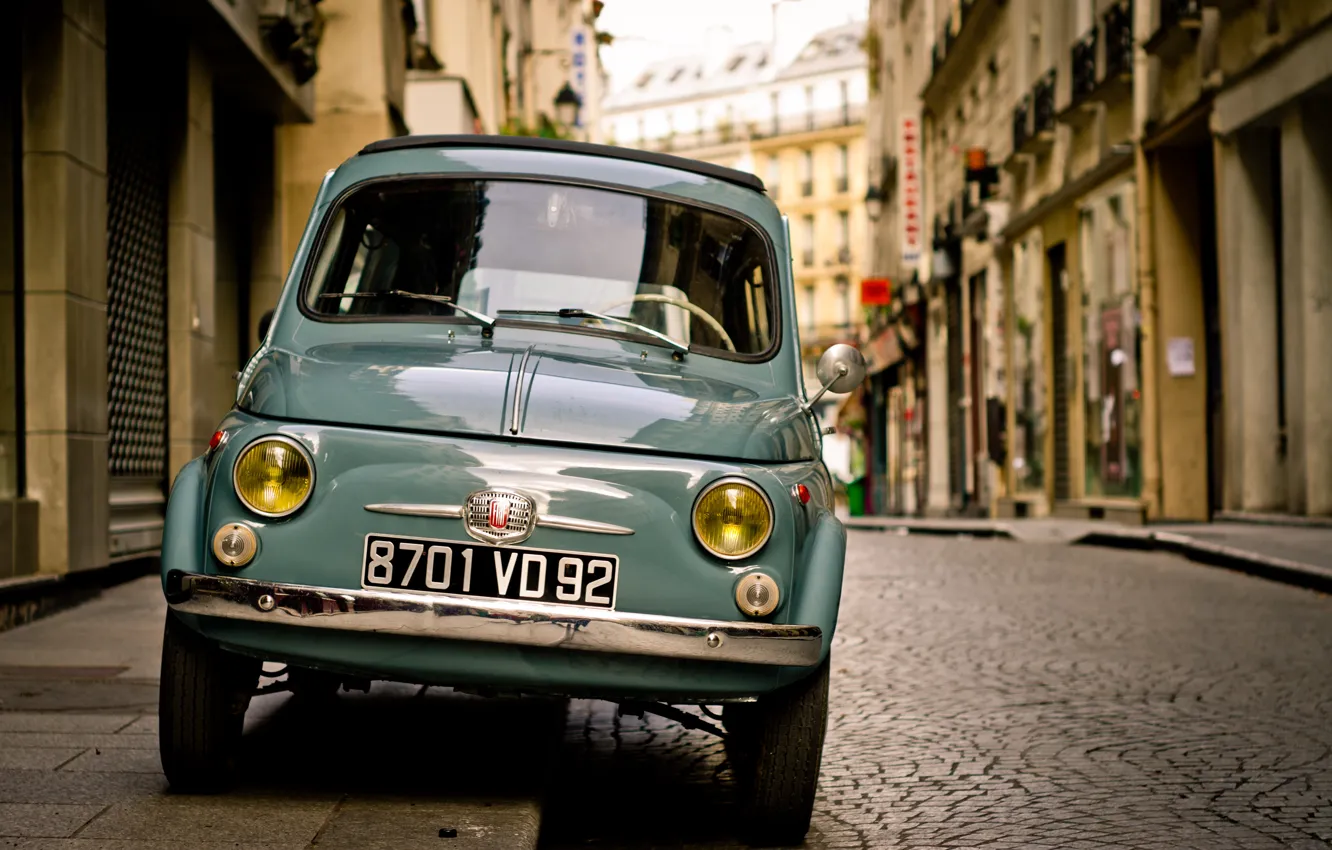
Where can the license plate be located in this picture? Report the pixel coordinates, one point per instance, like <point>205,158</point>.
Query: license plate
<point>498,572</point>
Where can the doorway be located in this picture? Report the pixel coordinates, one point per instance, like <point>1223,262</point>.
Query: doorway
<point>1207,245</point>
<point>976,387</point>
<point>957,415</point>
<point>1059,339</point>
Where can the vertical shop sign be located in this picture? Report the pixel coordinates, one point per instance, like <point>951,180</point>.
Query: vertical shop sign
<point>908,189</point>
<point>578,58</point>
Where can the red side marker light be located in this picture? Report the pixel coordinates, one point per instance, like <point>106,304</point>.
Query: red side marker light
<point>802,493</point>
<point>217,440</point>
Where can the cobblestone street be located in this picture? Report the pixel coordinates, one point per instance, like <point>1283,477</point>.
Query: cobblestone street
<point>997,694</point>
<point>985,693</point>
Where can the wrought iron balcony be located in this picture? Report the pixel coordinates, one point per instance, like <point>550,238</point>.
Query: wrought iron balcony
<point>1021,123</point>
<point>1180,13</point>
<point>1043,104</point>
<point>1119,41</point>
<point>1083,67</point>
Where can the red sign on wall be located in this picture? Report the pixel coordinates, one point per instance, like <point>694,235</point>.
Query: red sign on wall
<point>909,189</point>
<point>876,291</point>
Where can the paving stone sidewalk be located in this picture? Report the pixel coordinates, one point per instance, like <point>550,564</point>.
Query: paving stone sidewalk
<point>79,767</point>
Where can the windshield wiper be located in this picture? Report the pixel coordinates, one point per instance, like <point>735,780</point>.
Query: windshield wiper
<point>480,318</point>
<point>578,313</point>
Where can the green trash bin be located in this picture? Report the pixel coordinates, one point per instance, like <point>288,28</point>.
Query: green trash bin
<point>855,497</point>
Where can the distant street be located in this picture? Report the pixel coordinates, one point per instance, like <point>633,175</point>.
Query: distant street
<point>985,694</point>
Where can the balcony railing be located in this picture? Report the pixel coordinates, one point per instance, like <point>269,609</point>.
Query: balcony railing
<point>843,183</point>
<point>1043,103</point>
<point>844,255</point>
<point>845,116</point>
<point>1180,13</point>
<point>1021,123</point>
<point>807,257</point>
<point>1083,69</point>
<point>806,188</point>
<point>1119,40</point>
<point>963,13</point>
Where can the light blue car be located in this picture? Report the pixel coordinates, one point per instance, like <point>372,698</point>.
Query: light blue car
<point>528,418</point>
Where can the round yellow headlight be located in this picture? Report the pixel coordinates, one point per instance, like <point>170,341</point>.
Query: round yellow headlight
<point>273,476</point>
<point>732,519</point>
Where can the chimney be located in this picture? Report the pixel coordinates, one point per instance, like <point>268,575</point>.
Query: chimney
<point>794,22</point>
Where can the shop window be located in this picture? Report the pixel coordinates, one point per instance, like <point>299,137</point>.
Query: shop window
<point>1029,398</point>
<point>1111,365</point>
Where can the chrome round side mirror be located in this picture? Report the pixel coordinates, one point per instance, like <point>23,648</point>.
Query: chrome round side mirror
<point>841,368</point>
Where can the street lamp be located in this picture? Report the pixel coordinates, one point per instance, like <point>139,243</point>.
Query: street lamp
<point>567,103</point>
<point>874,202</point>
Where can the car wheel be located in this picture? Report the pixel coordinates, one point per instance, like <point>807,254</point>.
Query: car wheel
<point>777,753</point>
<point>201,707</point>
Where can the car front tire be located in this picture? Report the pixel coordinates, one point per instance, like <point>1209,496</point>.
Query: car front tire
<point>201,708</point>
<point>776,748</point>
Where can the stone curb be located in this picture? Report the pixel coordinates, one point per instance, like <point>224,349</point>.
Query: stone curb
<point>1215,554</point>
<point>979,528</point>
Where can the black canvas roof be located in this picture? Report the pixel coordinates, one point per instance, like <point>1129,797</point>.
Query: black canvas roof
<point>707,169</point>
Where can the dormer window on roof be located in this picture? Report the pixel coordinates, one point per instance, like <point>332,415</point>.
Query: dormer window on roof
<point>644,80</point>
<point>736,62</point>
<point>676,74</point>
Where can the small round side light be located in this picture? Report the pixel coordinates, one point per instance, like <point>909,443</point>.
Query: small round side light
<point>235,545</point>
<point>757,595</point>
<point>802,493</point>
<point>218,437</point>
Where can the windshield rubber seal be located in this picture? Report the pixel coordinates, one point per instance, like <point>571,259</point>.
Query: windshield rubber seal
<point>335,205</point>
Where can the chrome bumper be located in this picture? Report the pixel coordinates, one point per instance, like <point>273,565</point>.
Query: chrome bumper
<point>494,621</point>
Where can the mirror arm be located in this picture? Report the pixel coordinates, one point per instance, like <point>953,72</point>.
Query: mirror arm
<point>808,406</point>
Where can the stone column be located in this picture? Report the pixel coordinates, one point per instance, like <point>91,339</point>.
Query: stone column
<point>936,383</point>
<point>1306,162</point>
<point>191,325</point>
<point>64,266</point>
<point>1255,476</point>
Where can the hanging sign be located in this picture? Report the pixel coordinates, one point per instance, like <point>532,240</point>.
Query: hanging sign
<point>908,188</point>
<point>876,291</point>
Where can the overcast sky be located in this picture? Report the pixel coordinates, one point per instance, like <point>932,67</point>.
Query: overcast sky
<point>649,30</point>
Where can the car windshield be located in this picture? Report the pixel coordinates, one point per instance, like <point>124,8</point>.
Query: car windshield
<point>524,251</point>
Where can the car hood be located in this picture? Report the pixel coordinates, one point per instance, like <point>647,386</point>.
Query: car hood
<point>612,400</point>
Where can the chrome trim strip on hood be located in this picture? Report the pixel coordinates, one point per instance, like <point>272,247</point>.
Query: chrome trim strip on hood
<point>515,422</point>
<point>474,618</point>
<point>441,511</point>
<point>569,523</point>
<point>566,523</point>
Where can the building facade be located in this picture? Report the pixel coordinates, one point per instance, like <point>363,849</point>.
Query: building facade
<point>155,160</point>
<point>799,124</point>
<point>500,67</point>
<point>1122,198</point>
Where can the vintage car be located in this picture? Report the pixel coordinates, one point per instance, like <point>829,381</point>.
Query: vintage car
<point>528,418</point>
